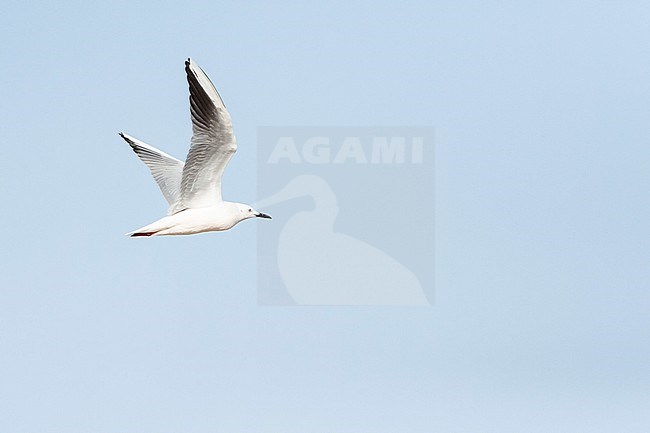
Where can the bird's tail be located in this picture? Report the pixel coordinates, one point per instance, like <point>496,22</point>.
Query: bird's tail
<point>154,229</point>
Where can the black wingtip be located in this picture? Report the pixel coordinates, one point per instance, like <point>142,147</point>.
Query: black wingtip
<point>141,234</point>
<point>130,142</point>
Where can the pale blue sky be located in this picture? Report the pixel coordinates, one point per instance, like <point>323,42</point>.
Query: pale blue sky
<point>542,126</point>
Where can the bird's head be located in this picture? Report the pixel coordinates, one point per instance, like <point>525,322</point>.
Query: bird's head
<point>247,211</point>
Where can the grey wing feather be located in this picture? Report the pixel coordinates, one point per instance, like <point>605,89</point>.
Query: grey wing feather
<point>213,143</point>
<point>166,170</point>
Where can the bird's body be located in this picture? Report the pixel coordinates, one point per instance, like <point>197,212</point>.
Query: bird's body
<point>222,216</point>
<point>193,188</point>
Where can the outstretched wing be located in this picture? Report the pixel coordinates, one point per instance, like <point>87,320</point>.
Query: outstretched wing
<point>166,169</point>
<point>213,143</point>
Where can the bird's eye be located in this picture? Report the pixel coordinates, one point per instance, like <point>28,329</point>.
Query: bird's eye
<point>250,210</point>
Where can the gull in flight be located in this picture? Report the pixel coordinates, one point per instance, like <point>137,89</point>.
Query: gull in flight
<point>193,188</point>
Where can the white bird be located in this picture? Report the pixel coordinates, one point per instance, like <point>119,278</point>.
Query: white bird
<point>193,188</point>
